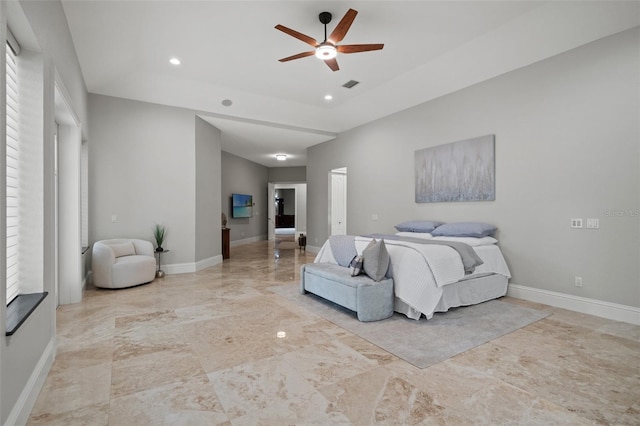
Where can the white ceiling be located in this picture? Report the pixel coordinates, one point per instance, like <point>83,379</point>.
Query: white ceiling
<point>230,50</point>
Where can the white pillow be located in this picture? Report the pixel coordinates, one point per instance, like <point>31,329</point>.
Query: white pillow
<point>423,235</point>
<point>123,249</point>
<point>472,241</point>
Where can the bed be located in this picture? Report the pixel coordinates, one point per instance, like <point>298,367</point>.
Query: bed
<point>431,278</point>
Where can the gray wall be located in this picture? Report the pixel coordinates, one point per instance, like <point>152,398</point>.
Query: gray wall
<point>287,174</point>
<point>142,169</point>
<point>567,145</point>
<point>26,357</point>
<point>245,177</point>
<point>208,187</point>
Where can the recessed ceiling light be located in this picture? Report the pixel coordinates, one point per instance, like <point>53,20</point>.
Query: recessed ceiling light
<point>174,61</point>
<point>328,97</point>
<point>281,157</point>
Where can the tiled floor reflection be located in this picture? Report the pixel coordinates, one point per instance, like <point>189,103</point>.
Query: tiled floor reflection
<point>202,349</point>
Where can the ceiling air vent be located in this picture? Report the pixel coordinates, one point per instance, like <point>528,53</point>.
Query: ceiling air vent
<point>349,84</point>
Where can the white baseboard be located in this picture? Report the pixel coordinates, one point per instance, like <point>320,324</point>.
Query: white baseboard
<point>205,263</point>
<point>595,307</point>
<point>247,240</point>
<point>185,268</point>
<point>313,249</point>
<point>179,268</point>
<point>21,411</point>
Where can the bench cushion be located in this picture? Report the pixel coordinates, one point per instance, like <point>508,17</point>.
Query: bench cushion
<point>371,300</point>
<point>337,273</point>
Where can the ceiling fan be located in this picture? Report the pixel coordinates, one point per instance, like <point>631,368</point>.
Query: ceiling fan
<point>329,48</point>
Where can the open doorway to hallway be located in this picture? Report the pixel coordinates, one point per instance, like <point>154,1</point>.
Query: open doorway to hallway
<point>287,213</point>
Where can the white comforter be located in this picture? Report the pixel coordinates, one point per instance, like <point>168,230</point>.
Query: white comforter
<point>420,271</point>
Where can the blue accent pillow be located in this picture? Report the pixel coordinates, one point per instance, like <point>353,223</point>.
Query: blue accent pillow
<point>424,226</point>
<point>464,229</point>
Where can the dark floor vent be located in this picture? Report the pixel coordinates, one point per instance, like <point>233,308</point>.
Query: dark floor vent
<point>349,84</point>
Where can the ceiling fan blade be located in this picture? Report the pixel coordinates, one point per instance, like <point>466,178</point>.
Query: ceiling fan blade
<point>332,63</point>
<point>298,56</point>
<point>309,40</point>
<point>355,48</point>
<point>343,26</point>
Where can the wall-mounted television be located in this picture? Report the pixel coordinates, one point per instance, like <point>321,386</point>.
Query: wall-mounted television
<point>241,205</point>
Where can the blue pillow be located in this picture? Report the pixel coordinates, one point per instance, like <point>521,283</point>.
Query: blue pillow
<point>464,229</point>
<point>418,226</point>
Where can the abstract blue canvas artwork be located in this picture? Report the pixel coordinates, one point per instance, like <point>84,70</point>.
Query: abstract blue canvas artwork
<point>457,171</point>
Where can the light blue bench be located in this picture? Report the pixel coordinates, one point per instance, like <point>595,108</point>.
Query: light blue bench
<point>371,300</point>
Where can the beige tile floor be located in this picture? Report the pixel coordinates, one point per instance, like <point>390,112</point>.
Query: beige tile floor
<point>201,349</point>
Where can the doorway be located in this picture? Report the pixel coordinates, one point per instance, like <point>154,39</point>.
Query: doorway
<point>287,209</point>
<point>285,204</point>
<point>338,201</point>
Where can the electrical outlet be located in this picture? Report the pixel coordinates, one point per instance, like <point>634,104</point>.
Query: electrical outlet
<point>374,216</point>
<point>577,281</point>
<point>576,223</point>
<point>593,223</point>
<point>114,218</point>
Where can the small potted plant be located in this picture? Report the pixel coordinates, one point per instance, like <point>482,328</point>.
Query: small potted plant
<point>159,233</point>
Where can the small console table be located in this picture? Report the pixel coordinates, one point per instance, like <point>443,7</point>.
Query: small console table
<point>225,243</point>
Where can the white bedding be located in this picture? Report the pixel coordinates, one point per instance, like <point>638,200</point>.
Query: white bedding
<point>420,271</point>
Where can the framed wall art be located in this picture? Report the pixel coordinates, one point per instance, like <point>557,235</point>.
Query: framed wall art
<point>457,171</point>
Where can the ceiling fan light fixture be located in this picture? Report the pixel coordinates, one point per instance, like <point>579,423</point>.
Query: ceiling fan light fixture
<point>326,51</point>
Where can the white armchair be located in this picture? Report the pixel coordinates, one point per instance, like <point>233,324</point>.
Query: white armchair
<point>122,262</point>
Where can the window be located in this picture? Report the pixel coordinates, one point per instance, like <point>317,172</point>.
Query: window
<point>12,171</point>
<point>24,171</point>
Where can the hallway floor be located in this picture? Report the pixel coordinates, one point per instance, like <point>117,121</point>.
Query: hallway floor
<point>202,349</point>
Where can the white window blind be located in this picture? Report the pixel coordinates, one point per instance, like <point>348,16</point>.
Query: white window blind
<point>12,170</point>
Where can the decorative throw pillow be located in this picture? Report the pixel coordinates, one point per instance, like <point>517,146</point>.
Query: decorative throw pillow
<point>418,226</point>
<point>376,260</point>
<point>464,229</point>
<point>356,266</point>
<point>343,248</point>
<point>123,249</point>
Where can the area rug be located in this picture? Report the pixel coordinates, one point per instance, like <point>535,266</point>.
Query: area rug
<point>424,342</point>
